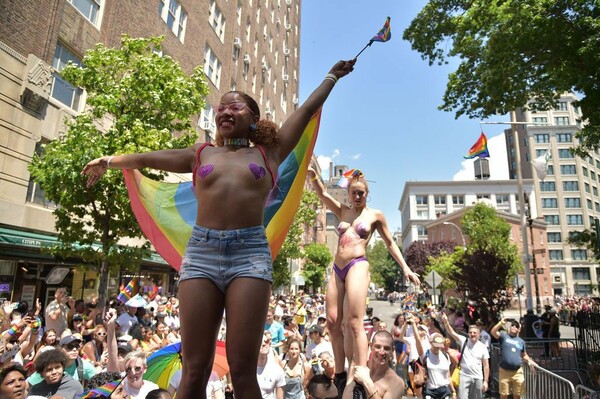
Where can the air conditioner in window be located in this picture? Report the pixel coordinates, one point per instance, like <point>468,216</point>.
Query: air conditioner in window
<point>237,42</point>
<point>278,22</point>
<point>295,100</point>
<point>285,78</point>
<point>286,52</point>
<point>247,58</point>
<point>263,66</point>
<point>288,2</point>
<point>288,26</point>
<point>207,126</point>
<point>268,111</point>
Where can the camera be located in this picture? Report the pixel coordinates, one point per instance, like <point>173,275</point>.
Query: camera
<point>316,367</point>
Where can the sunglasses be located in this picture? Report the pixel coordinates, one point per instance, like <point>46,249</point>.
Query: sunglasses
<point>135,369</point>
<point>232,107</point>
<point>70,347</point>
<point>101,334</point>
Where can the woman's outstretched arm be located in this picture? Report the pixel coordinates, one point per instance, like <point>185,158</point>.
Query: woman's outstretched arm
<point>294,126</point>
<point>179,161</point>
<point>331,203</point>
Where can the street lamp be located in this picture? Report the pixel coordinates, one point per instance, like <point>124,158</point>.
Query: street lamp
<point>460,231</point>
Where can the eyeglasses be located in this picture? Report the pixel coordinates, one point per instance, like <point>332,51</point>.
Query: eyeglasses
<point>70,347</point>
<point>135,369</point>
<point>232,107</point>
<point>101,334</point>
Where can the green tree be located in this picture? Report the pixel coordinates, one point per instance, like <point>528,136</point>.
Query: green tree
<point>446,265</point>
<point>491,260</point>
<point>145,101</point>
<point>514,51</point>
<point>318,258</point>
<point>304,219</point>
<point>385,272</point>
<point>586,239</point>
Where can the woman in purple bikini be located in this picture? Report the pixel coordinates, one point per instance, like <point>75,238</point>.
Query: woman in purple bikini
<point>347,291</point>
<point>227,263</point>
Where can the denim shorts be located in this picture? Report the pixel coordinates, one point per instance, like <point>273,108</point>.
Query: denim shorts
<point>223,255</point>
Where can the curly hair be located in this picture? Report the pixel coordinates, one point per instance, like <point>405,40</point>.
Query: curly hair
<point>102,378</point>
<point>266,132</point>
<point>9,369</point>
<point>50,357</point>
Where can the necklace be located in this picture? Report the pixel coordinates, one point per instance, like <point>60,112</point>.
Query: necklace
<point>236,142</point>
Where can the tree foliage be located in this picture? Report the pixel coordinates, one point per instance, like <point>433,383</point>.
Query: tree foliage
<point>418,253</point>
<point>586,239</point>
<point>318,258</point>
<point>385,272</point>
<point>304,219</point>
<point>514,51</point>
<point>137,100</point>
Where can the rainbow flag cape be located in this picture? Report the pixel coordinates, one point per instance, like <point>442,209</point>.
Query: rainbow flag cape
<point>404,357</point>
<point>129,291</point>
<point>384,34</point>
<point>166,212</point>
<point>479,149</point>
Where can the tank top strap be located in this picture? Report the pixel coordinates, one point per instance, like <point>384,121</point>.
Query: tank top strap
<point>197,162</point>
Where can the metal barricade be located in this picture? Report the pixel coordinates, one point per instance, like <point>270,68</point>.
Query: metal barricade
<point>584,392</point>
<point>541,383</point>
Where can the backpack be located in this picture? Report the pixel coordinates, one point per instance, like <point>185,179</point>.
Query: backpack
<point>79,362</point>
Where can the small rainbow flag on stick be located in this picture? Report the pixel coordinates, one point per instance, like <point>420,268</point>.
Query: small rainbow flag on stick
<point>383,35</point>
<point>103,391</point>
<point>479,149</point>
<point>128,291</point>
<point>344,181</point>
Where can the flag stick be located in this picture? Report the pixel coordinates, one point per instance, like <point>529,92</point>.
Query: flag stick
<point>364,48</point>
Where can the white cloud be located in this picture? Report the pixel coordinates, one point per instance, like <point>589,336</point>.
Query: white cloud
<point>356,156</point>
<point>498,162</point>
<point>325,160</point>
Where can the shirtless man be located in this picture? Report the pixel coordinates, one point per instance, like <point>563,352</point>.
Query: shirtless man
<point>380,380</point>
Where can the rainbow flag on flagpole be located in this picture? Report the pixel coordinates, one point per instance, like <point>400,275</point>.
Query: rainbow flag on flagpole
<point>129,291</point>
<point>167,212</point>
<point>479,149</point>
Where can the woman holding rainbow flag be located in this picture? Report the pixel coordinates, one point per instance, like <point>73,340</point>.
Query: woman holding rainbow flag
<point>348,287</point>
<point>227,263</point>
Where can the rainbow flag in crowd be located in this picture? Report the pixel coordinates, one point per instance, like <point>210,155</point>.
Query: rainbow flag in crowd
<point>344,181</point>
<point>129,291</point>
<point>479,149</point>
<point>167,212</point>
<point>384,34</point>
<point>409,301</point>
<point>403,357</point>
<point>103,391</point>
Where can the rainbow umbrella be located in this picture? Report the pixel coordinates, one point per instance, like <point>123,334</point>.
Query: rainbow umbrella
<point>103,391</point>
<point>163,363</point>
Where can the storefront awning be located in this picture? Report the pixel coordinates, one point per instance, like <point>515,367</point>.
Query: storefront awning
<point>20,240</point>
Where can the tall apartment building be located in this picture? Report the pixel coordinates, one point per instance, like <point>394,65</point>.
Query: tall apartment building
<point>568,197</point>
<point>247,45</point>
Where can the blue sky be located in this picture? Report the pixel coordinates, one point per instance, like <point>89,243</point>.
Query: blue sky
<point>383,117</point>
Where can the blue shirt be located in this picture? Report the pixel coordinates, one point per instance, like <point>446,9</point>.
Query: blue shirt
<point>511,350</point>
<point>277,332</point>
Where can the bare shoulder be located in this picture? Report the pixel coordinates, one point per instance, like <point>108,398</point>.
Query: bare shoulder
<point>394,385</point>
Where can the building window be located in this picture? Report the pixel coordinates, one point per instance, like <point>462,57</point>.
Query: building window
<point>561,120</point>
<point>421,199</point>
<point>564,137</point>
<point>238,13</point>
<point>592,175</point>
<point>423,215</point>
<point>421,230</point>
<point>502,199</point>
<point>561,106</point>
<point>597,205</point>
<point>541,138</point>
<point>62,90</point>
<point>552,219</point>
<point>578,254</point>
<point>570,185</point>
<point>589,204</point>
<point>439,199</point>
<point>174,16</point>
<point>548,186</point>
<point>595,190</point>
<point>554,237</point>
<point>458,200</point>
<point>207,122</point>
<point>550,170</point>
<point>581,273</point>
<point>565,153</point>
<point>539,119</point>
<point>212,66</point>
<point>35,194</point>
<point>216,19</point>
<point>572,202</point>
<point>89,8</point>
<point>555,254</point>
<point>587,187</point>
<point>549,203</point>
<point>539,152</point>
<point>584,171</point>
<point>583,289</point>
<point>568,169</point>
<point>575,220</point>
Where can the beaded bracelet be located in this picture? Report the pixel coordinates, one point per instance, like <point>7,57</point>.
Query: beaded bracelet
<point>12,331</point>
